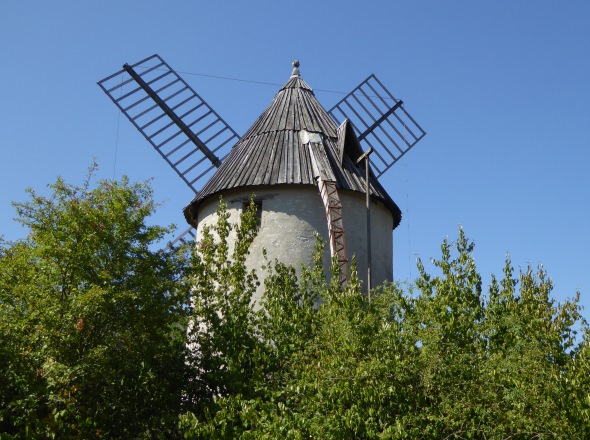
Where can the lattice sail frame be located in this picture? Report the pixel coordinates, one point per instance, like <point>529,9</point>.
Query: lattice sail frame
<point>187,237</point>
<point>378,119</point>
<point>173,118</point>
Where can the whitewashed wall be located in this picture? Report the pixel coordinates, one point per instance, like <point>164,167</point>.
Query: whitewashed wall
<point>290,216</point>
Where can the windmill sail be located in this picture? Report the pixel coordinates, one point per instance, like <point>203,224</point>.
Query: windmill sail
<point>186,237</point>
<point>380,121</point>
<point>174,119</point>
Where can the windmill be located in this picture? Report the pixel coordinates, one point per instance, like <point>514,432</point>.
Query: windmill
<point>294,142</point>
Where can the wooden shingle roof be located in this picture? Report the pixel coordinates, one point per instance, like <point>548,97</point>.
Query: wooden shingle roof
<point>272,152</point>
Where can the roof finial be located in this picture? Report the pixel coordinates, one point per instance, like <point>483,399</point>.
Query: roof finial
<point>295,65</point>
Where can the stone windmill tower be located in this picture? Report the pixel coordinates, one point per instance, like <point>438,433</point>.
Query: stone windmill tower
<point>308,173</point>
<point>302,169</point>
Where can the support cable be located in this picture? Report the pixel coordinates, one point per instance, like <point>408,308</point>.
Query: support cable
<point>117,135</point>
<point>264,83</point>
<point>407,204</point>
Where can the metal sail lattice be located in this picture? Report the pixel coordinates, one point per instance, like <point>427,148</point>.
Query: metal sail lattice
<point>187,237</point>
<point>174,119</point>
<point>380,121</point>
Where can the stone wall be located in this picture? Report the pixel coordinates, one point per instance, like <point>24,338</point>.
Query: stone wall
<point>290,216</point>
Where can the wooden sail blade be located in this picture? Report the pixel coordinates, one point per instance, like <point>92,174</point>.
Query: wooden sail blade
<point>380,121</point>
<point>189,135</point>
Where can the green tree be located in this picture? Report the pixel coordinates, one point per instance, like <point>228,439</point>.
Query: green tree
<point>222,332</point>
<point>89,316</point>
<point>438,359</point>
<point>495,365</point>
<point>95,327</point>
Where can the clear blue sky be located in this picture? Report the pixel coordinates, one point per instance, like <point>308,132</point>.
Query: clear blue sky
<point>502,88</point>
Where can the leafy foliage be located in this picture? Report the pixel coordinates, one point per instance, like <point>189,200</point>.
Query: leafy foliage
<point>96,325</point>
<point>440,359</point>
<point>88,314</point>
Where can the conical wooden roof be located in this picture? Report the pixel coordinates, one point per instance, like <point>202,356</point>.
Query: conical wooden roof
<point>272,152</point>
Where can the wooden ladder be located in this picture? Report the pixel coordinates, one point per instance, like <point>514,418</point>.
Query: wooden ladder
<point>333,208</point>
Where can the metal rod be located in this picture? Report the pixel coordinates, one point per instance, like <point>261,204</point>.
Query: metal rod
<point>365,157</point>
<point>368,227</point>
